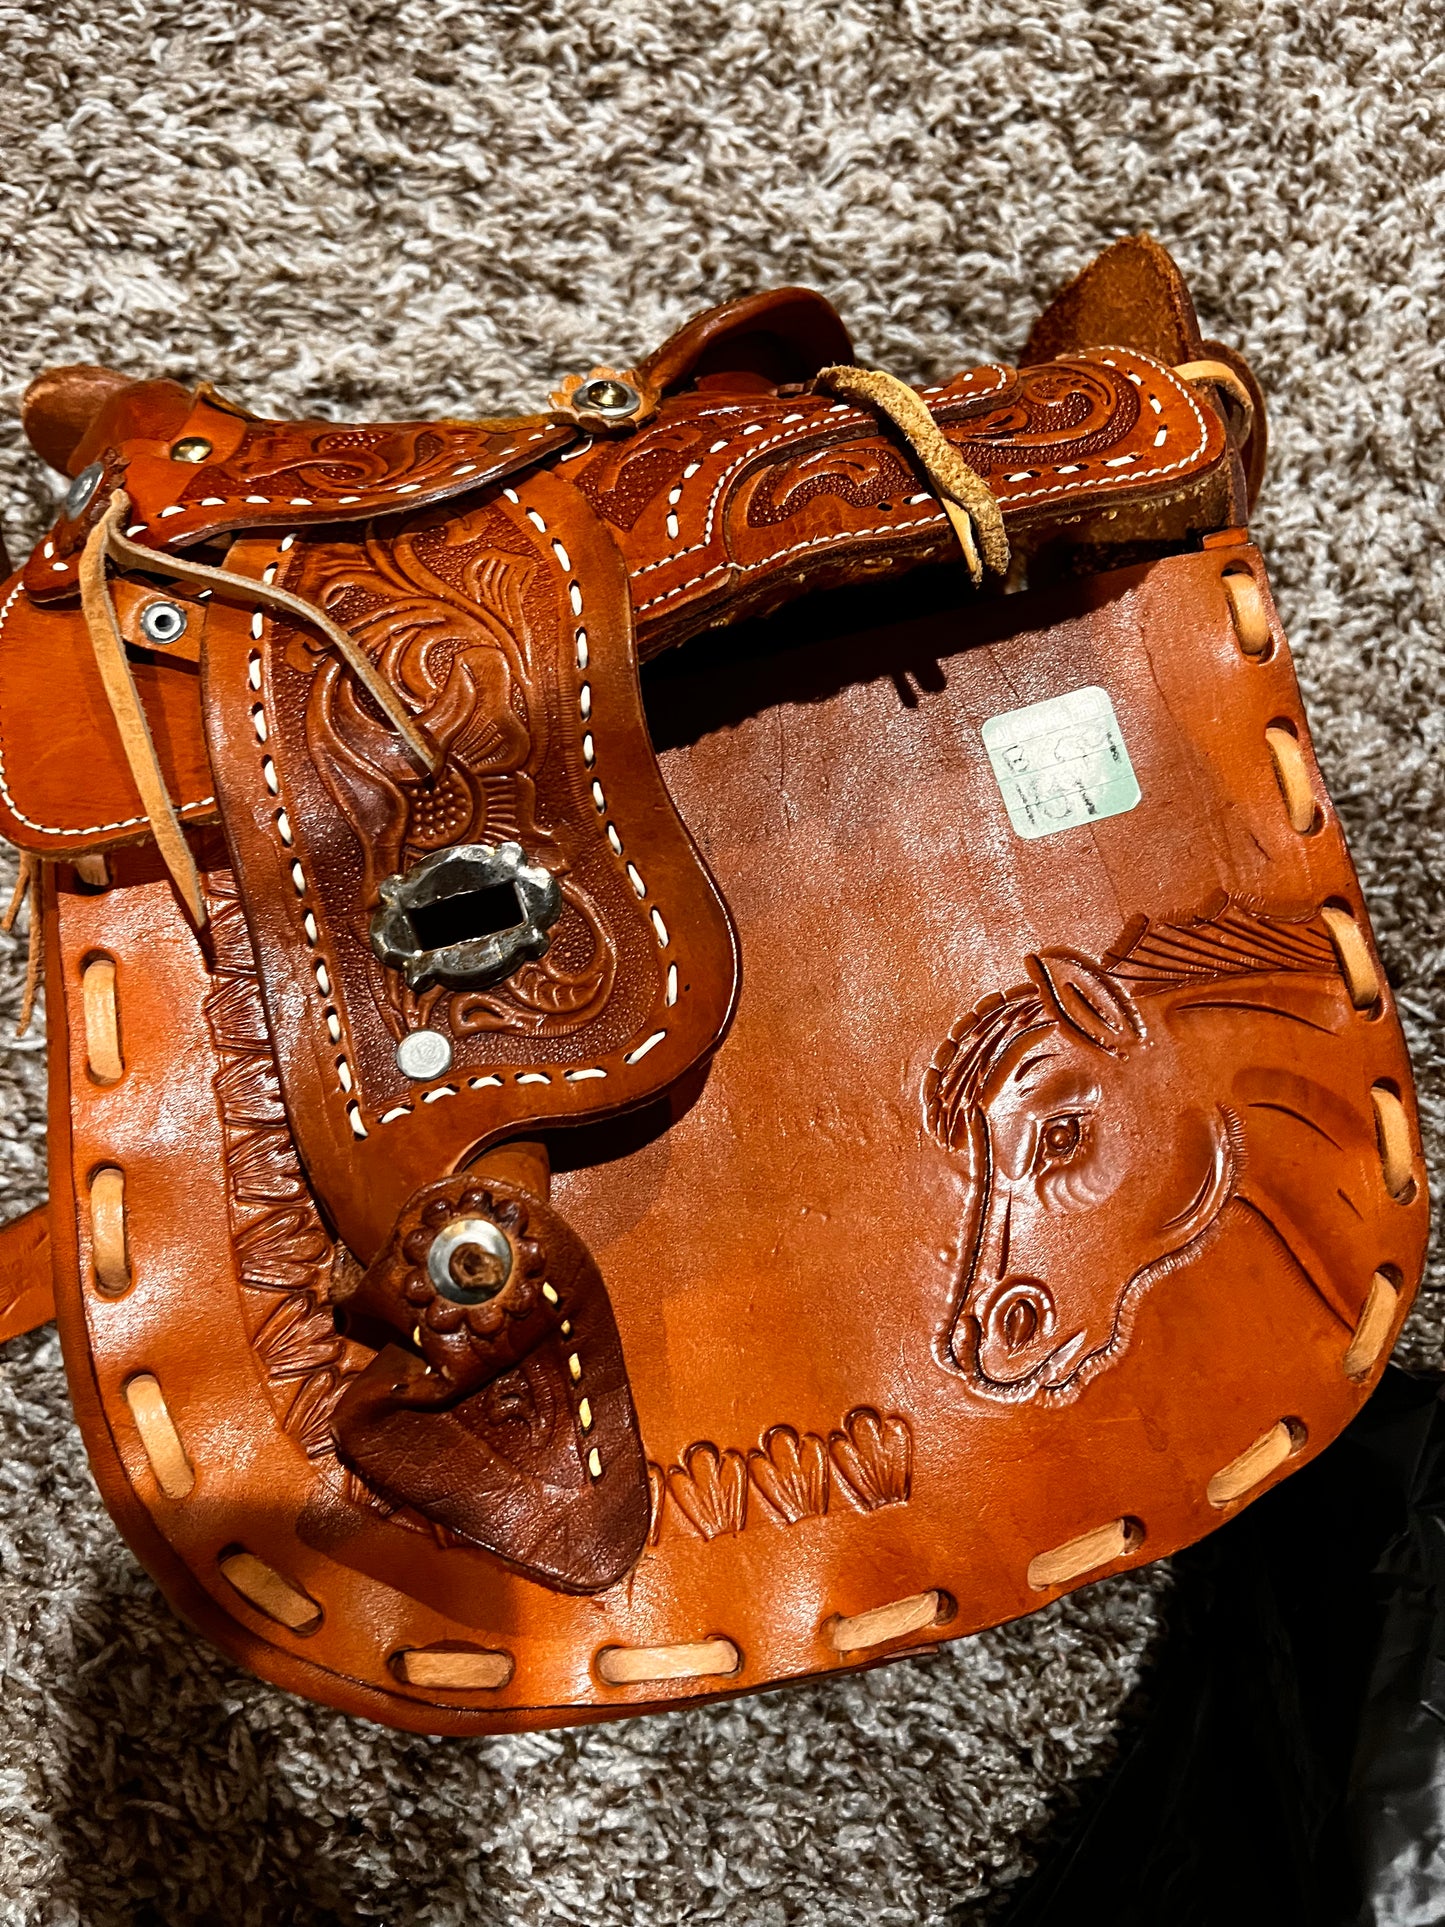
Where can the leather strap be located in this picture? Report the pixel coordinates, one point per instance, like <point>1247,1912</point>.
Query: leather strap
<point>27,1294</point>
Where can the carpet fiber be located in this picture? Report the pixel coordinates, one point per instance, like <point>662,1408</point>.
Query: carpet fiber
<point>363,209</point>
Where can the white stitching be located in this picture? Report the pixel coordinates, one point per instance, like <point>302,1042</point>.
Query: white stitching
<point>281,823</point>
<point>936,515</point>
<point>53,829</point>
<point>589,756</point>
<point>754,449</point>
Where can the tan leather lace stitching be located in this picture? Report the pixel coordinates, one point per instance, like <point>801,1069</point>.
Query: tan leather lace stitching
<point>107,541</point>
<point>967,499</point>
<point>1222,376</point>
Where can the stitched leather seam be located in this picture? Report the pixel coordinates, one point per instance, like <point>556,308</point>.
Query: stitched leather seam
<point>935,515</point>
<point>271,777</point>
<point>801,433</point>
<point>54,829</point>
<point>393,488</point>
<point>438,1088</point>
<point>303,501</point>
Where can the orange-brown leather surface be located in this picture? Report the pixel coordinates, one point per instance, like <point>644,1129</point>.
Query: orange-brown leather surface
<point>27,1293</point>
<point>508,626</point>
<point>878,1201</point>
<point>727,503</point>
<point>1114,1077</point>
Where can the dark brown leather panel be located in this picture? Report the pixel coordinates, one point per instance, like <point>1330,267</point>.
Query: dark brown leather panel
<point>510,1424</point>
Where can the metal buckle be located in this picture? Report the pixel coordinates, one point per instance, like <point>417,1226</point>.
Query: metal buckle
<point>466,916</point>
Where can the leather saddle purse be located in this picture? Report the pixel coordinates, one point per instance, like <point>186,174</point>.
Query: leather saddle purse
<point>579,1188</point>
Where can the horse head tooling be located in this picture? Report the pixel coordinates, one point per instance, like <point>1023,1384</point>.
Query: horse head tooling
<point>578,1189</point>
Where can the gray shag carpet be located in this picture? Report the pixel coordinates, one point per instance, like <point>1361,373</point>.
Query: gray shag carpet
<point>368,209</point>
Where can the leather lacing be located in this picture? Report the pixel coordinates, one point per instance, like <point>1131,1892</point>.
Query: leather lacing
<point>107,541</point>
<point>968,501</point>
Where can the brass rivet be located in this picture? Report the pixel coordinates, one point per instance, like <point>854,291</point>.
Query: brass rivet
<point>605,396</point>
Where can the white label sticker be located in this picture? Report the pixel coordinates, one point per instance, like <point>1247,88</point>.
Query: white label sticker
<point>1061,763</point>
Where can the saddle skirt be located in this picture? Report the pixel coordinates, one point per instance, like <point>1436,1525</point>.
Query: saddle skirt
<point>578,1188</point>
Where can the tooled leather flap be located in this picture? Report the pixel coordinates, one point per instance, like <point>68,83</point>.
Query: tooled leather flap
<point>220,469</point>
<point>506,625</point>
<point>727,506</point>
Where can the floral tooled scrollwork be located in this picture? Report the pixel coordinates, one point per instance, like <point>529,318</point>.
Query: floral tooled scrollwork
<point>1061,414</point>
<point>1057,415</point>
<point>454,644</point>
<point>322,461</point>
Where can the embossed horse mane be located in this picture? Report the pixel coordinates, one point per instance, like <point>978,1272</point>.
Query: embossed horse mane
<point>1230,941</point>
<point>1107,1122</point>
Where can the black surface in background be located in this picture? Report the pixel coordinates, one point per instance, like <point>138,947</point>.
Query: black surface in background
<point>1291,1766</point>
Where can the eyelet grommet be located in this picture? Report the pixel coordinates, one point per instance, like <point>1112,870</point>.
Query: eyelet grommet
<point>163,623</point>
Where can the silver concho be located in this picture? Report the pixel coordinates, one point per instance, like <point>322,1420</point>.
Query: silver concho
<point>466,916</point>
<point>470,1260</point>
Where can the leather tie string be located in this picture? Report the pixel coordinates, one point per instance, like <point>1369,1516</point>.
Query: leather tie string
<point>27,888</point>
<point>107,541</point>
<point>967,499</point>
